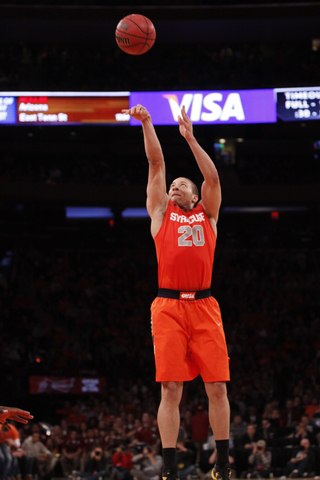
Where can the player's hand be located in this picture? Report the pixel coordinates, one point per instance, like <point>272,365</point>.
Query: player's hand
<point>185,125</point>
<point>16,414</point>
<point>138,112</point>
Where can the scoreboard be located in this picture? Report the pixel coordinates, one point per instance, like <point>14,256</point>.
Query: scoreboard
<point>203,107</point>
<point>55,108</point>
<point>298,104</point>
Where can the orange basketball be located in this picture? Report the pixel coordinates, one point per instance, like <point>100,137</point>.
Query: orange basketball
<point>135,34</point>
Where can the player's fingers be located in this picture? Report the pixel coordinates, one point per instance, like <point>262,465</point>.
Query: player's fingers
<point>186,118</point>
<point>18,419</point>
<point>25,415</point>
<point>183,118</point>
<point>185,115</point>
<point>18,411</point>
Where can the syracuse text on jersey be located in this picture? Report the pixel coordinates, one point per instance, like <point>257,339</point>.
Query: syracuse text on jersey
<point>198,217</point>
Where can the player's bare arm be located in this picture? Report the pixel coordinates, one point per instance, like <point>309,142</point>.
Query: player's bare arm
<point>157,198</point>
<point>211,190</point>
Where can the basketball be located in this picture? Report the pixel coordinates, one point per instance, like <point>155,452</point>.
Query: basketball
<point>135,34</point>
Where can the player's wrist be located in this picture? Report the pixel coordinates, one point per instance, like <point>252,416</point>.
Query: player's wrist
<point>146,119</point>
<point>191,139</point>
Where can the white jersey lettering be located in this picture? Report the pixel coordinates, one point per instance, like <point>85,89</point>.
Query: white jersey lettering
<point>198,217</point>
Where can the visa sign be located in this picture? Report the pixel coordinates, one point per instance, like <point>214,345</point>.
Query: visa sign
<point>208,108</point>
<point>205,107</point>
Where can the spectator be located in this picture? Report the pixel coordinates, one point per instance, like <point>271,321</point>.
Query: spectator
<point>245,448</point>
<point>146,433</point>
<point>303,462</point>
<point>129,429</point>
<point>122,463</point>
<point>250,438</point>
<point>71,451</point>
<point>96,465</point>
<point>260,461</point>
<point>267,432</point>
<point>119,430</point>
<point>275,418</point>
<point>290,416</point>
<point>147,464</point>
<point>252,416</point>
<point>40,456</point>
<point>310,427</point>
<point>300,433</point>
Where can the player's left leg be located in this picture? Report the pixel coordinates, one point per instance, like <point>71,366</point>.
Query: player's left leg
<point>168,423</point>
<point>219,417</point>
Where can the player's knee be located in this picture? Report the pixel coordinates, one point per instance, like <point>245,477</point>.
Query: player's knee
<point>171,392</point>
<point>216,391</point>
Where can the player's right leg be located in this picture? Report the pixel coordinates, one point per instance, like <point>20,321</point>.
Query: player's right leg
<point>169,423</point>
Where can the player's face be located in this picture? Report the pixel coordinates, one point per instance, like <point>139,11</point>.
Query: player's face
<point>181,193</point>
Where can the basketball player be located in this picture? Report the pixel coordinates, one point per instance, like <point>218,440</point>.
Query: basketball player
<point>186,322</point>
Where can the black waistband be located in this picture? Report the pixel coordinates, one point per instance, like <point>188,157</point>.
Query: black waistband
<point>177,295</point>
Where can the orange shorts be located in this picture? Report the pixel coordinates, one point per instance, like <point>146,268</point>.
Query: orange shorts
<point>189,340</point>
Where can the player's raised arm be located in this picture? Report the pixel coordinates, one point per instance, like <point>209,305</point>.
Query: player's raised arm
<point>210,191</point>
<point>157,198</point>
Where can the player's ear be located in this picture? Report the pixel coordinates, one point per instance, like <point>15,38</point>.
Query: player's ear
<point>195,198</point>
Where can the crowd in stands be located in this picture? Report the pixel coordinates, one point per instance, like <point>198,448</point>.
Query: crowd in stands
<point>193,66</point>
<point>96,439</point>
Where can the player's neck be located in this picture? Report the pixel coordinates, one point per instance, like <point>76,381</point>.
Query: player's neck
<point>186,208</point>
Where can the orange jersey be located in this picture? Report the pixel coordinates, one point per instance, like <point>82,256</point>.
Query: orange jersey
<point>185,246</point>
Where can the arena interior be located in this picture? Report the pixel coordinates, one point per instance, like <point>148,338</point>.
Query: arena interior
<point>75,293</point>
